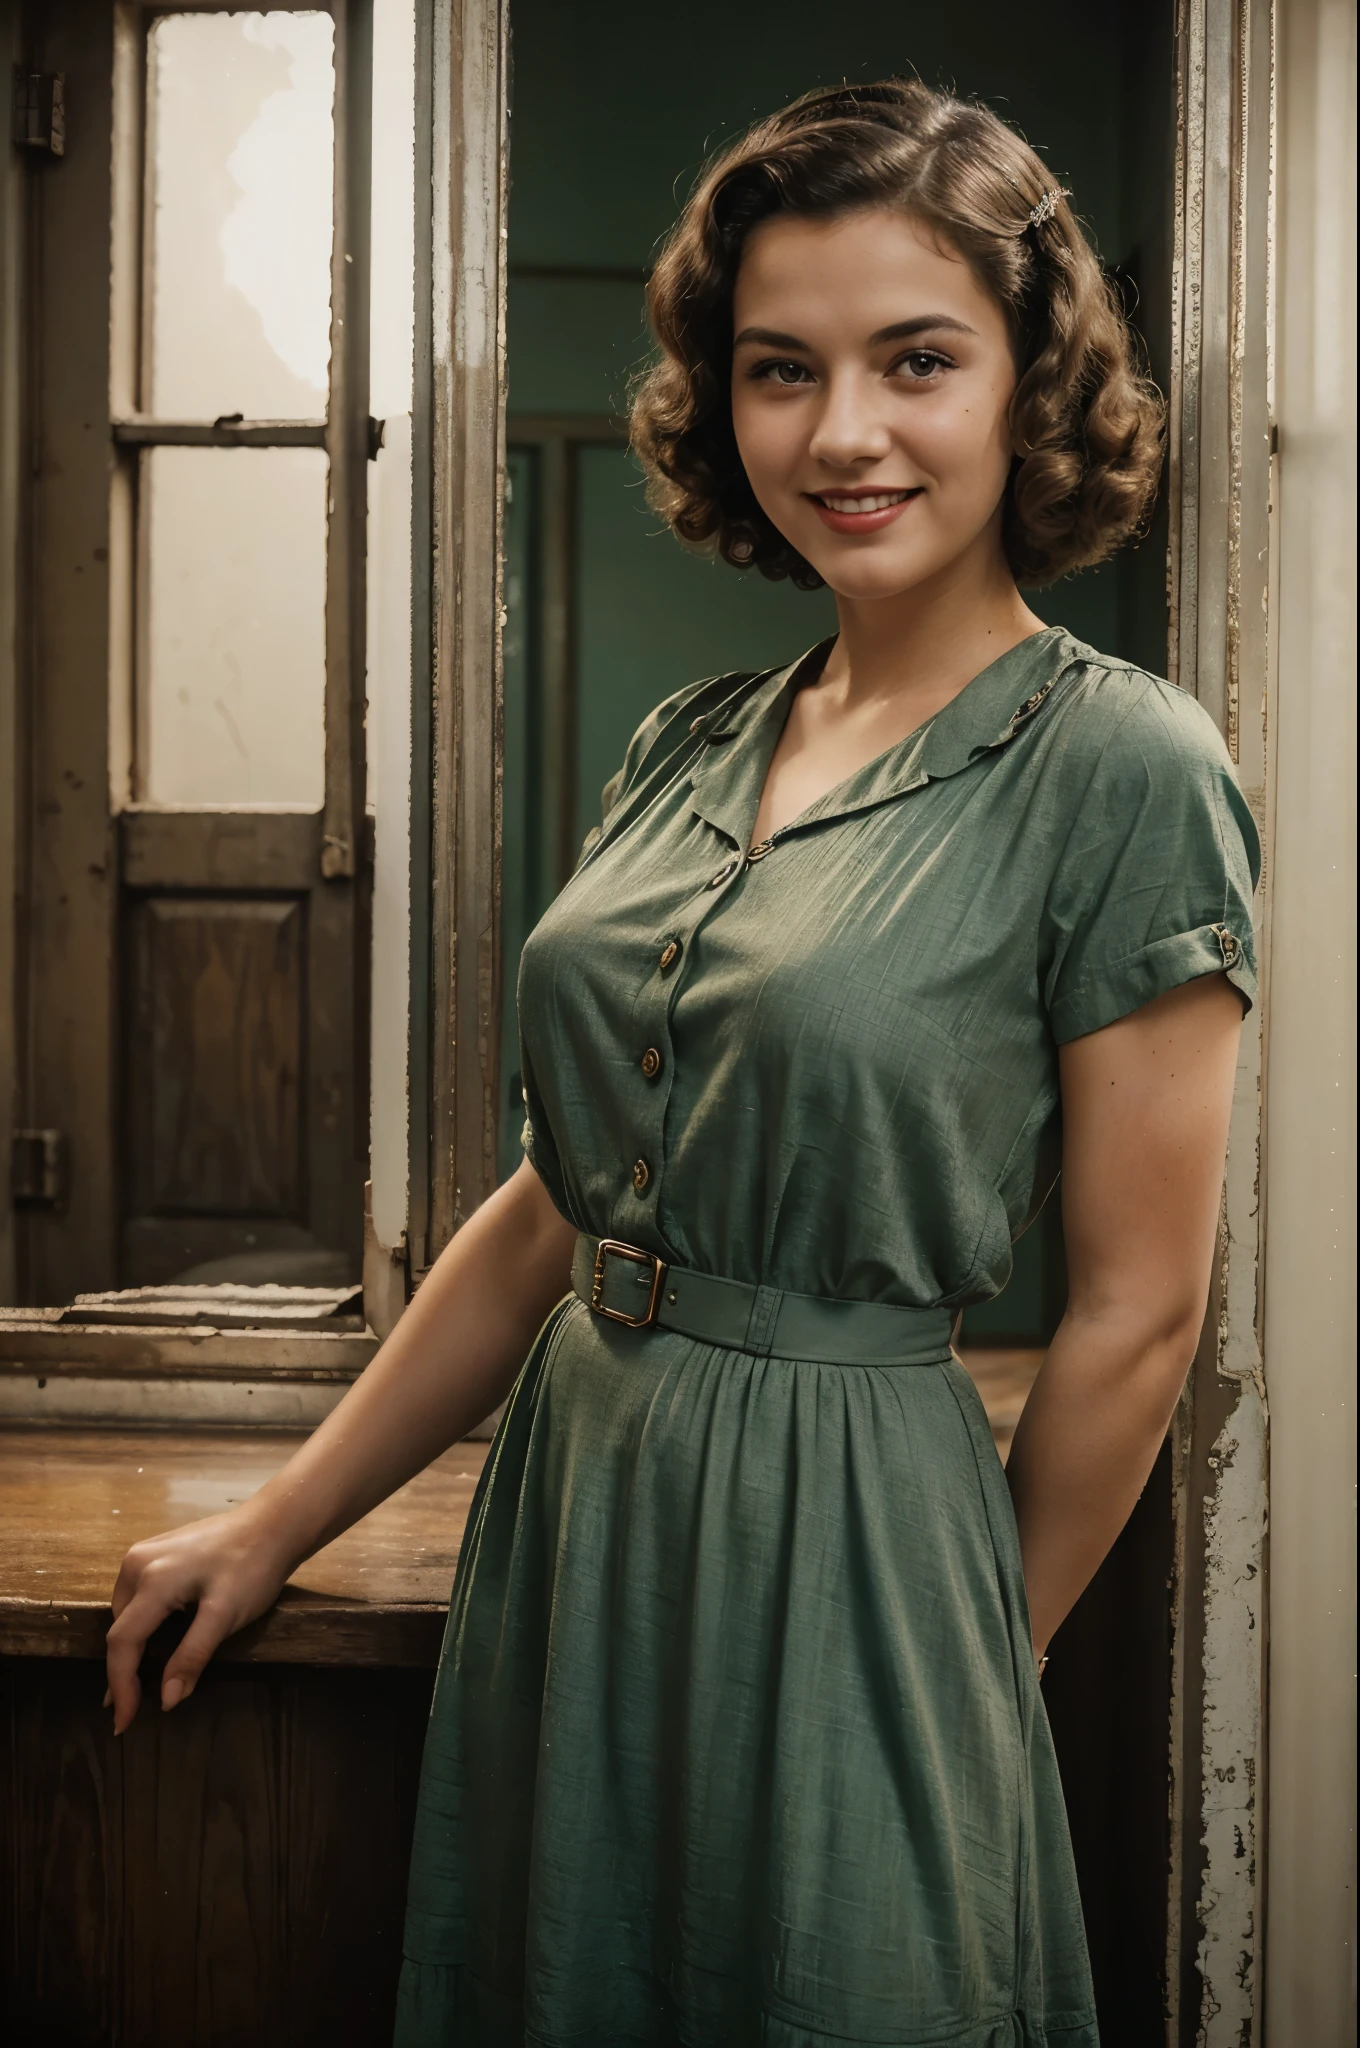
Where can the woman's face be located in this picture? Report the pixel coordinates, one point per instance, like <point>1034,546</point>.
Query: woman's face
<point>871,383</point>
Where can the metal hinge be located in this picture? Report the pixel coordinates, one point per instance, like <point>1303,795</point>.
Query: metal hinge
<point>40,111</point>
<point>37,1169</point>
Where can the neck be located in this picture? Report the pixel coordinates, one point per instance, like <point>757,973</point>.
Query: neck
<point>931,640</point>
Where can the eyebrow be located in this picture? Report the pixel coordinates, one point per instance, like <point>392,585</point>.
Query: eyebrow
<point>901,330</point>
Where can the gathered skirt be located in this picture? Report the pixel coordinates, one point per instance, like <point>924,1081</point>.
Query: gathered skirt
<point>736,1738</point>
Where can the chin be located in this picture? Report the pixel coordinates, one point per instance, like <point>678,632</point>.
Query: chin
<point>863,578</point>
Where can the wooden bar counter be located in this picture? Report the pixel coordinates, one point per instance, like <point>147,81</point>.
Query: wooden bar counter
<point>231,1875</point>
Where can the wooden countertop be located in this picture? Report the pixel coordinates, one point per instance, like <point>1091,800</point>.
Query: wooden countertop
<point>72,1501</point>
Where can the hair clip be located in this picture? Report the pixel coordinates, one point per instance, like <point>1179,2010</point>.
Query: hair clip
<point>1047,206</point>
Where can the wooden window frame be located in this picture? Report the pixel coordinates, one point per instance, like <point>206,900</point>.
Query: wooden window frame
<point>349,436</point>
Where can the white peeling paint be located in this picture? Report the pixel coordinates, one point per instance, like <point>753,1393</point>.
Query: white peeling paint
<point>1234,1534</point>
<point>1235,1507</point>
<point>1236,1504</point>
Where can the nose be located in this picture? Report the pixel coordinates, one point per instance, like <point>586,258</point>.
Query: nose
<point>850,427</point>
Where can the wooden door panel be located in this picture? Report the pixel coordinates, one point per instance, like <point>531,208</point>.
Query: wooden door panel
<point>232,852</point>
<point>215,1052</point>
<point>235,1874</point>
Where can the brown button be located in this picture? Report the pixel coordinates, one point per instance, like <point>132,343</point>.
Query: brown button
<point>728,869</point>
<point>651,1063</point>
<point>669,956</point>
<point>642,1173</point>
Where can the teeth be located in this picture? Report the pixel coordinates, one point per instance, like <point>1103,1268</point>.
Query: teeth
<point>876,504</point>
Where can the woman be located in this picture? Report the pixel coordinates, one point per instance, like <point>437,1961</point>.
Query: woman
<point>737,1735</point>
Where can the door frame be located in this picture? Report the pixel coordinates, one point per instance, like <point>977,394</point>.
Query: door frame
<point>457,525</point>
<point>1221,592</point>
<point>1220,586</point>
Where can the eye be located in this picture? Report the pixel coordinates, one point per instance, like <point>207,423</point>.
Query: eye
<point>920,365</point>
<point>781,371</point>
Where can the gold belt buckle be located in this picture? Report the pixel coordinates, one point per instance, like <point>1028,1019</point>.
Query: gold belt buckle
<point>639,1258</point>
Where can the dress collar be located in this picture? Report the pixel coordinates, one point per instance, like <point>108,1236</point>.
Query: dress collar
<point>729,776</point>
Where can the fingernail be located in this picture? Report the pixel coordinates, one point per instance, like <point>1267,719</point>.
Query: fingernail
<point>107,1700</point>
<point>172,1692</point>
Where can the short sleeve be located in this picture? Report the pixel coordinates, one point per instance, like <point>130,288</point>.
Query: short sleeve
<point>1154,885</point>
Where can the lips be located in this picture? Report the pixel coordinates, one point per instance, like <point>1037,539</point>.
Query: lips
<point>860,511</point>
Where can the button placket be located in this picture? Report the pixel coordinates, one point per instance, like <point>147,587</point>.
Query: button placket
<point>655,1063</point>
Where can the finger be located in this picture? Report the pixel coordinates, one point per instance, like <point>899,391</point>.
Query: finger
<point>143,1557</point>
<point>124,1645</point>
<point>126,1585</point>
<point>209,1627</point>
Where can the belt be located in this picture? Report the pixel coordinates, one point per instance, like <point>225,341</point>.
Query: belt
<point>626,1285</point>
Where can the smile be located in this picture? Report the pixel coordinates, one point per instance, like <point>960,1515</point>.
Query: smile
<point>860,511</point>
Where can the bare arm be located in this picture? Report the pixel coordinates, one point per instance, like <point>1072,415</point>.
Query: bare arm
<point>452,1357</point>
<point>1146,1104</point>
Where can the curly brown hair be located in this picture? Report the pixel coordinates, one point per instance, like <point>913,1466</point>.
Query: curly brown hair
<point>1087,422</point>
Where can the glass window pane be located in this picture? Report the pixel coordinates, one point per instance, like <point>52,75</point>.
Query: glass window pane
<point>240,135</point>
<point>233,641</point>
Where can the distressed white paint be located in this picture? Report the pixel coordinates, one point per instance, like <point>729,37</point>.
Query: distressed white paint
<point>465,321</point>
<point>1234,1535</point>
<point>1221,564</point>
<point>1234,1524</point>
<point>441,227</point>
<point>1310,1177</point>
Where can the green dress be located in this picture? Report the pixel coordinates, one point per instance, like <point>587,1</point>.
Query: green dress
<point>737,1737</point>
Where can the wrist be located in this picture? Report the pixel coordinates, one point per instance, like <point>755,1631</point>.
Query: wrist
<point>274,1530</point>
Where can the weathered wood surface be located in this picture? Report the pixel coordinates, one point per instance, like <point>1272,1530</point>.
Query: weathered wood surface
<point>206,849</point>
<point>73,1501</point>
<point>70,923</point>
<point>215,1056</point>
<point>230,1874</point>
<point>227,1305</point>
<point>38,1340</point>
